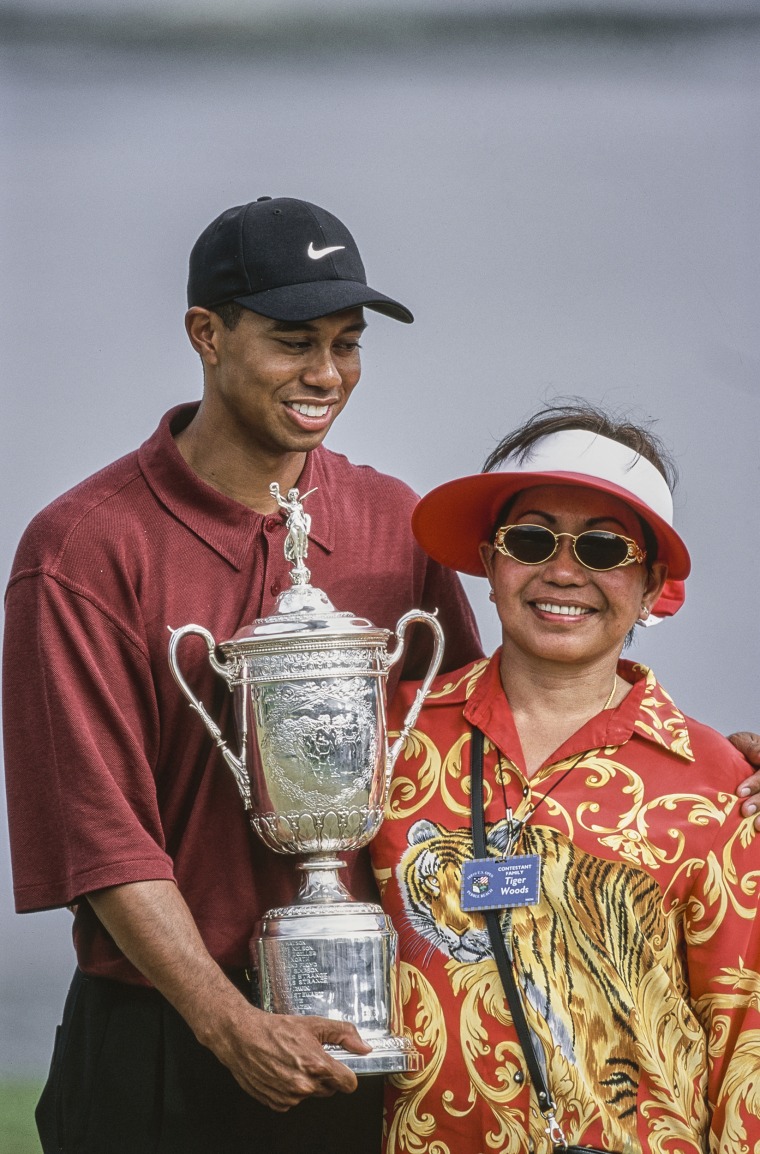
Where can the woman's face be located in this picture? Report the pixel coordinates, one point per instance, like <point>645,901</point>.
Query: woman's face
<point>559,611</point>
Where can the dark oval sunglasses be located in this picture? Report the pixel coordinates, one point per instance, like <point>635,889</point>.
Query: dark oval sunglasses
<point>595,549</point>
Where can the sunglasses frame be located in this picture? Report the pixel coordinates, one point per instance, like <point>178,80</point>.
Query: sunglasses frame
<point>635,554</point>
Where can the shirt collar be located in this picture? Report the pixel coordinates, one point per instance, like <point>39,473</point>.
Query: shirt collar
<point>658,718</point>
<point>228,526</point>
<point>647,712</point>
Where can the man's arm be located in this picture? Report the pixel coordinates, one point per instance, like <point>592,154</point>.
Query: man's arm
<point>749,744</point>
<point>277,1059</point>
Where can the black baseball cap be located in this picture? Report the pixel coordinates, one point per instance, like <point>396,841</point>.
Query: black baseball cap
<point>285,259</point>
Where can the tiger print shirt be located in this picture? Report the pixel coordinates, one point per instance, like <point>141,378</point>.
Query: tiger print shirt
<point>639,966</point>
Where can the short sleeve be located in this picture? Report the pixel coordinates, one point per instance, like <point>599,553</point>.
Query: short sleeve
<point>81,738</point>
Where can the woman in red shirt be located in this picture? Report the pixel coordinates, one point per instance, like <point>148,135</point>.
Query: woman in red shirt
<point>623,876</point>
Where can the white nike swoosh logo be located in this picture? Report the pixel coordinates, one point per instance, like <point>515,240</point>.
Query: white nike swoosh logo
<point>318,253</point>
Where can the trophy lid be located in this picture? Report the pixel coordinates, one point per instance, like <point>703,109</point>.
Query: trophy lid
<point>298,614</point>
<point>303,611</point>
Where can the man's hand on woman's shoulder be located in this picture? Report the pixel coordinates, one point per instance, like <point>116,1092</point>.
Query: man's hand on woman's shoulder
<point>749,744</point>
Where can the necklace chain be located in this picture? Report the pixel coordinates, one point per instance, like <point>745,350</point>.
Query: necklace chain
<point>609,700</point>
<point>529,815</point>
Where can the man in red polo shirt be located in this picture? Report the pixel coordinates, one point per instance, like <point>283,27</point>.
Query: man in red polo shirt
<point>120,804</point>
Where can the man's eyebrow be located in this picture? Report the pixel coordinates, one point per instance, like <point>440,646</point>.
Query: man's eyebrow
<point>292,327</point>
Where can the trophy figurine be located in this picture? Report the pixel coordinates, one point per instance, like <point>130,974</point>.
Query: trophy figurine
<point>313,768</point>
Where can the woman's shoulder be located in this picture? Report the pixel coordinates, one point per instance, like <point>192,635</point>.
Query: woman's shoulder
<point>714,759</point>
<point>658,707</point>
<point>448,690</point>
<point>715,752</point>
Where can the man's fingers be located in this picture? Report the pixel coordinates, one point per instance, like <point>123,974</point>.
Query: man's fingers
<point>329,1074</point>
<point>288,1062</point>
<point>749,788</point>
<point>748,744</point>
<point>751,805</point>
<point>342,1034</point>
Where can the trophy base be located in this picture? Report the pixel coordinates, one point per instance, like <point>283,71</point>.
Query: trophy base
<point>389,1056</point>
<point>337,960</point>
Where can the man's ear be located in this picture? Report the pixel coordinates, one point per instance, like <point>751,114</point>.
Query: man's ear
<point>202,327</point>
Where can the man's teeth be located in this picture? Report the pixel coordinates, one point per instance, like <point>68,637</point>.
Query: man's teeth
<point>563,610</point>
<point>310,410</point>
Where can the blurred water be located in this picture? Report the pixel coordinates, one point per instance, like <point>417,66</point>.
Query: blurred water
<point>562,215</point>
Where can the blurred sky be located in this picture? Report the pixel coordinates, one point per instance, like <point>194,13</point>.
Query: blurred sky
<point>568,209</point>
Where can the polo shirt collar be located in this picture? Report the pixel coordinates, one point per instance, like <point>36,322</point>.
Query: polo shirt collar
<point>647,712</point>
<point>226,525</point>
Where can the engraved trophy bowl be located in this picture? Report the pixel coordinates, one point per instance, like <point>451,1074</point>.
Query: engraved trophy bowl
<point>313,769</point>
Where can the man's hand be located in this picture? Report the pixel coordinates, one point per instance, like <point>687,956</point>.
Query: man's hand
<point>276,1058</point>
<point>749,744</point>
<point>279,1059</point>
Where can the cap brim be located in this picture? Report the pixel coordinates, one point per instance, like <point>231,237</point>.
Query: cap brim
<point>306,302</point>
<point>451,521</point>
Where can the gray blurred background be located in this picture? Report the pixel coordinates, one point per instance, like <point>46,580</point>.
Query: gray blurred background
<point>564,194</point>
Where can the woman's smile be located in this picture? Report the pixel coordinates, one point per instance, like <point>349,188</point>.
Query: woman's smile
<point>555,609</point>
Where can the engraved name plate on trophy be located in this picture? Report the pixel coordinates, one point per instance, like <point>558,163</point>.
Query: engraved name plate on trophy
<point>313,769</point>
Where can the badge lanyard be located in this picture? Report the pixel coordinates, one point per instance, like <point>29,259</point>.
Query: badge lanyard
<point>546,1102</point>
<point>514,879</point>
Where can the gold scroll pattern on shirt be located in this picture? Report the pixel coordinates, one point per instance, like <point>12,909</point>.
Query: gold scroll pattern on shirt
<point>606,993</point>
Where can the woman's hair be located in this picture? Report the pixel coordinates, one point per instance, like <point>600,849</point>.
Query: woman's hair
<point>581,415</point>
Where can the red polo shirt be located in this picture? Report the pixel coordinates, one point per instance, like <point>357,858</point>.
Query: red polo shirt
<point>111,778</point>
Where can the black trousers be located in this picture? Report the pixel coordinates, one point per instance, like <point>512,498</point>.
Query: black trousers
<point>128,1077</point>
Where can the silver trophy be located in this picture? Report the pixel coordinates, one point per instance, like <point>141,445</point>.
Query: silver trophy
<point>313,769</point>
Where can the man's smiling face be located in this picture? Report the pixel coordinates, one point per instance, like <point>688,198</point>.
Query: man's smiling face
<point>279,385</point>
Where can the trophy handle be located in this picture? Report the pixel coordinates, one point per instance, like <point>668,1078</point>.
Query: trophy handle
<point>432,621</point>
<point>236,764</point>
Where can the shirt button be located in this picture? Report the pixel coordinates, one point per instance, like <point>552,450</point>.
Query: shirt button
<point>519,1077</point>
<point>271,523</point>
<point>275,587</point>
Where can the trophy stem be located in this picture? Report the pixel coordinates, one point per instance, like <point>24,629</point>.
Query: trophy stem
<point>320,883</point>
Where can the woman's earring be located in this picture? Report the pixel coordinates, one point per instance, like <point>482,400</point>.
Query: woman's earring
<point>492,596</point>
<point>644,612</point>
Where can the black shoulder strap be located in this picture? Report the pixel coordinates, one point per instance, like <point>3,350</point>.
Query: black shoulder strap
<point>498,945</point>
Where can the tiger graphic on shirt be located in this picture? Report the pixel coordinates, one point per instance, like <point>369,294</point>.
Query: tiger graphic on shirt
<point>596,960</point>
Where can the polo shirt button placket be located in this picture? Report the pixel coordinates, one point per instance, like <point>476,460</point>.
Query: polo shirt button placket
<point>272,525</point>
